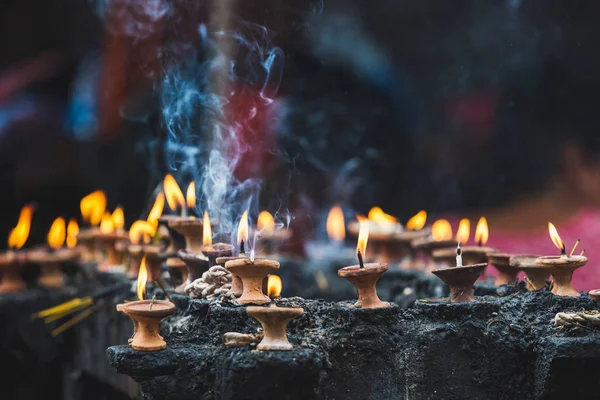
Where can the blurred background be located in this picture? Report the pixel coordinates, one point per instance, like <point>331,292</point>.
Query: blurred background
<point>462,108</point>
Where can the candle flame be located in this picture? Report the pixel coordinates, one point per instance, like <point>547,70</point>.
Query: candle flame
<point>18,236</point>
<point>206,230</point>
<point>274,286</point>
<point>243,229</point>
<point>555,237</point>
<point>190,195</point>
<point>118,219</point>
<point>142,279</point>
<point>265,221</point>
<point>482,232</point>
<point>93,206</point>
<point>57,233</point>
<point>377,216</point>
<point>72,232</point>
<point>417,221</point>
<point>336,227</point>
<point>173,193</point>
<point>363,235</point>
<point>157,209</point>
<point>464,231</point>
<point>441,230</point>
<point>106,224</point>
<point>141,231</point>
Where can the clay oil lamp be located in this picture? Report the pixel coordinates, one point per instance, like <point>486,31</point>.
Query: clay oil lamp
<point>595,295</point>
<point>562,267</point>
<point>196,264</point>
<point>12,260</point>
<point>460,278</point>
<point>415,229</point>
<point>146,316</point>
<point>51,260</point>
<point>274,320</point>
<point>216,250</point>
<point>237,285</point>
<point>536,277</point>
<point>507,273</point>
<point>363,276</point>
<point>92,209</point>
<point>382,235</point>
<point>271,235</point>
<point>140,235</point>
<point>111,231</point>
<point>440,238</point>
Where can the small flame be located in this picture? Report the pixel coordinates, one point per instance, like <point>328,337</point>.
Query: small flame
<point>417,221</point>
<point>464,231</point>
<point>555,237</point>
<point>441,230</point>
<point>190,195</point>
<point>206,230</point>
<point>336,227</point>
<point>118,219</point>
<point>106,224</point>
<point>142,279</point>
<point>141,231</point>
<point>243,229</point>
<point>482,232</point>
<point>173,193</point>
<point>93,206</point>
<point>274,286</point>
<point>265,221</point>
<point>157,209</point>
<point>18,236</point>
<point>363,235</point>
<point>57,233</point>
<point>379,217</point>
<point>72,232</point>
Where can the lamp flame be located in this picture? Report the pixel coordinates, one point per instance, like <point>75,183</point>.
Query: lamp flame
<point>464,231</point>
<point>57,233</point>
<point>336,227</point>
<point>118,219</point>
<point>141,231</point>
<point>265,221</point>
<point>441,230</point>
<point>363,236</point>
<point>93,206</point>
<point>206,230</point>
<point>142,279</point>
<point>173,193</point>
<point>377,216</point>
<point>482,232</point>
<point>18,236</point>
<point>72,232</point>
<point>274,286</point>
<point>417,221</point>
<point>243,229</point>
<point>106,224</point>
<point>190,195</point>
<point>556,237</point>
<point>157,209</point>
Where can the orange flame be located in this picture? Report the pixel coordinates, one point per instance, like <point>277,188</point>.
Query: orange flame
<point>141,231</point>
<point>72,232</point>
<point>157,209</point>
<point>206,230</point>
<point>173,193</point>
<point>142,279</point>
<point>363,235</point>
<point>555,237</point>
<point>118,219</point>
<point>190,195</point>
<point>482,232</point>
<point>336,228</point>
<point>464,231</point>
<point>417,221</point>
<point>57,233</point>
<point>274,286</point>
<point>379,217</point>
<point>18,236</point>
<point>441,230</point>
<point>243,229</point>
<point>265,221</point>
<point>93,206</point>
<point>106,224</point>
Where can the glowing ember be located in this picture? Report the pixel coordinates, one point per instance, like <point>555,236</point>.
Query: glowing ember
<point>106,224</point>
<point>336,228</point>
<point>141,231</point>
<point>18,236</point>
<point>417,221</point>
<point>265,221</point>
<point>142,279</point>
<point>190,195</point>
<point>173,193</point>
<point>441,230</point>
<point>57,233</point>
<point>556,237</point>
<point>72,232</point>
<point>93,206</point>
<point>481,232</point>
<point>464,231</point>
<point>363,237</point>
<point>118,219</point>
<point>274,286</point>
<point>206,230</point>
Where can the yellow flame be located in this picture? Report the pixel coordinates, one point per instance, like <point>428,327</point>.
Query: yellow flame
<point>555,236</point>
<point>379,217</point>
<point>274,286</point>
<point>243,229</point>
<point>72,232</point>
<point>206,230</point>
<point>118,219</point>
<point>336,227</point>
<point>265,221</point>
<point>441,230</point>
<point>173,193</point>
<point>190,195</point>
<point>18,236</point>
<point>142,279</point>
<point>106,224</point>
<point>363,236</point>
<point>57,233</point>
<point>157,209</point>
<point>93,206</point>
<point>141,231</point>
<point>482,232</point>
<point>464,231</point>
<point>417,221</point>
